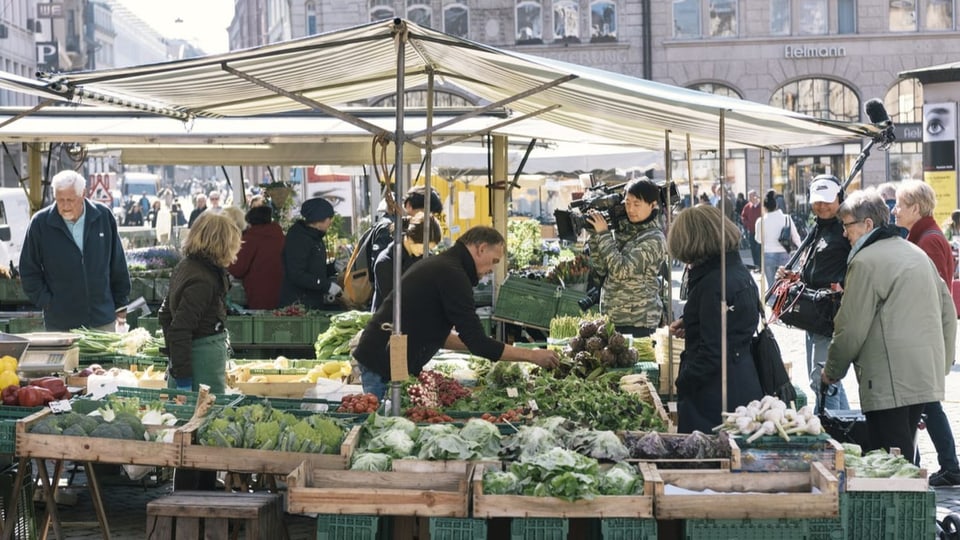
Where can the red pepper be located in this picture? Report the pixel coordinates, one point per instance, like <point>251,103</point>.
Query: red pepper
<point>35,396</point>
<point>55,385</point>
<point>9,395</point>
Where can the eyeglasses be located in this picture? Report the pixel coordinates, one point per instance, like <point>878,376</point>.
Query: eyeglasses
<point>849,223</point>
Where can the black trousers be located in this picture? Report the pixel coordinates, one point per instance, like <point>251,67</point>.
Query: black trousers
<point>894,428</point>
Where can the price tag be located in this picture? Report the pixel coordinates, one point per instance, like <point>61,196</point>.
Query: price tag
<point>61,406</point>
<point>533,405</point>
<point>512,392</point>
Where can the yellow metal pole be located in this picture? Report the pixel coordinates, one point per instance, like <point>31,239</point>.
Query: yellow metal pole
<point>35,176</point>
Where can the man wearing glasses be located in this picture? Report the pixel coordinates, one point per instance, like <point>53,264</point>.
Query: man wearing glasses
<point>896,324</point>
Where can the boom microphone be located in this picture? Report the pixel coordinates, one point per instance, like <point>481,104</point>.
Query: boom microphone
<point>877,113</point>
<point>879,117</point>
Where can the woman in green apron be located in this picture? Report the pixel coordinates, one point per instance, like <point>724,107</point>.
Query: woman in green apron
<point>193,317</point>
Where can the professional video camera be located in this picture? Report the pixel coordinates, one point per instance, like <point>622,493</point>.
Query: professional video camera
<point>608,201</point>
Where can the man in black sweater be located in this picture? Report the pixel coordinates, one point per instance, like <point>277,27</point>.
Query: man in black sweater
<point>437,297</point>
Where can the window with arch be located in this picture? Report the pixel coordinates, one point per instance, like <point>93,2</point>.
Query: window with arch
<point>529,22</point>
<point>927,15</point>
<point>311,19</point>
<point>716,88</point>
<point>904,104</point>
<point>603,21</point>
<point>566,21</point>
<point>456,19</point>
<point>381,10</point>
<point>419,12</point>
<point>821,98</point>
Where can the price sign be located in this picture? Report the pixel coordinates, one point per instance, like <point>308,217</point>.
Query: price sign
<point>62,406</point>
<point>512,393</point>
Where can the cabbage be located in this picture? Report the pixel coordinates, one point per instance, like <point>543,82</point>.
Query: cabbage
<point>484,435</point>
<point>371,461</point>
<point>394,442</point>
<point>620,480</point>
<point>529,441</point>
<point>500,483</point>
<point>600,445</point>
<point>444,445</point>
<point>377,424</point>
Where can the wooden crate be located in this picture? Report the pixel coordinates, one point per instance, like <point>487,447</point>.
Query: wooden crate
<point>747,495</point>
<point>94,449</point>
<point>853,482</point>
<point>248,460</point>
<point>604,506</point>
<point>780,455</point>
<point>314,490</point>
<point>424,466</point>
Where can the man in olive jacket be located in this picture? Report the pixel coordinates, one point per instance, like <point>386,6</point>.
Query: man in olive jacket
<point>896,325</point>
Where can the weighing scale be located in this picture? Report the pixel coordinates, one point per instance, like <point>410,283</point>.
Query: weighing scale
<point>49,352</point>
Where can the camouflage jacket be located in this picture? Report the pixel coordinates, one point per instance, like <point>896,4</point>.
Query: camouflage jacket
<point>631,259</point>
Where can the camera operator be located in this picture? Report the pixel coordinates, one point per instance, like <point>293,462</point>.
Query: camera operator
<point>630,260</point>
<point>823,264</point>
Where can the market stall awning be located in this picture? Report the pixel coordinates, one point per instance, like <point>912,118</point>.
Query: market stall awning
<point>328,71</point>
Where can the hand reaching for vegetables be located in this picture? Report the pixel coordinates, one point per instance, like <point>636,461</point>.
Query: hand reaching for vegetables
<point>677,329</point>
<point>545,358</point>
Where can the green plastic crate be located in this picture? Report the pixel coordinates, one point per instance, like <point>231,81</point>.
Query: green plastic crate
<point>539,529</point>
<point>237,294</point>
<point>26,527</point>
<point>525,301</point>
<point>283,330</point>
<point>567,303</point>
<point>801,397</point>
<point>8,425</point>
<point>321,322</point>
<point>457,528</point>
<point>343,527</point>
<point>150,324</point>
<point>890,515</point>
<point>240,328</point>
<point>628,529</point>
<point>143,286</point>
<point>161,286</point>
<point>652,369</point>
<point>745,529</point>
<point>25,325</point>
<point>11,290</point>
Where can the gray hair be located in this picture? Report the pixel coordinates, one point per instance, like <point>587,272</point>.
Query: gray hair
<point>918,193</point>
<point>481,234</point>
<point>864,204</point>
<point>69,179</point>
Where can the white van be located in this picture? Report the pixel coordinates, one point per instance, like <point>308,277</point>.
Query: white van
<point>135,184</point>
<point>14,220</point>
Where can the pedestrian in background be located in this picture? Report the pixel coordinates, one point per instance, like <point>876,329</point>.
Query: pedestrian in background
<point>305,272</point>
<point>259,264</point>
<point>411,252</point>
<point>693,240</point>
<point>768,230</point>
<point>897,325</point>
<point>914,211</point>
<point>199,207</point>
<point>749,215</point>
<point>72,265</point>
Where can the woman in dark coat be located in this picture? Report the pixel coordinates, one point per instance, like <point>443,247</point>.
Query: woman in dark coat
<point>411,253</point>
<point>305,278</point>
<point>693,240</point>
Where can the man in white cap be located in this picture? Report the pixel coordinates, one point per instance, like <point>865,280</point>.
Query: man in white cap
<point>824,265</point>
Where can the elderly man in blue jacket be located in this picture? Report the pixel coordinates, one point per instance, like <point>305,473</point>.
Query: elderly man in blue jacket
<point>72,264</point>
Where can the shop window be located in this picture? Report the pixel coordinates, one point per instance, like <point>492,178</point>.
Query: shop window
<point>821,98</point>
<point>780,17</point>
<point>381,10</point>
<point>812,17</point>
<point>723,18</point>
<point>927,15</point>
<point>938,15</point>
<point>720,18</point>
<point>566,21</point>
<point>686,19</point>
<point>420,13</point>
<point>603,21</point>
<point>846,16</point>
<point>311,22</point>
<point>456,19</point>
<point>529,22</point>
<point>902,15</point>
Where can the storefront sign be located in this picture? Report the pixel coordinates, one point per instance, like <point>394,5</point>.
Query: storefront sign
<point>908,132</point>
<point>813,51</point>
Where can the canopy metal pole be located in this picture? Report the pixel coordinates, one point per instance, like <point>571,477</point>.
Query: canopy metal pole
<point>428,160</point>
<point>668,218</point>
<point>762,265</point>
<point>398,341</point>
<point>723,265</point>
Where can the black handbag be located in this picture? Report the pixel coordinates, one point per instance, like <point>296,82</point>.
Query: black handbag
<point>774,379</point>
<point>808,309</point>
<point>786,239</point>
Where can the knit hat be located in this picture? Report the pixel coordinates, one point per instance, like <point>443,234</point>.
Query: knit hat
<point>316,209</point>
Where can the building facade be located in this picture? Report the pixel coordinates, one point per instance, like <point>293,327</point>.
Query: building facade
<point>825,58</point>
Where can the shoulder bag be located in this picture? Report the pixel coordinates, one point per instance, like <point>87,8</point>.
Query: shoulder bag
<point>786,239</point>
<point>774,379</point>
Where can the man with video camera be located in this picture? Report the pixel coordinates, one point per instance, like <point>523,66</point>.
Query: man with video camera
<point>630,258</point>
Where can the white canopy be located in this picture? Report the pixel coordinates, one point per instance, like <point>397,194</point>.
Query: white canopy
<point>328,71</point>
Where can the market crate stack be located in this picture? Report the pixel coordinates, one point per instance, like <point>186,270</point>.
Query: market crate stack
<point>526,301</point>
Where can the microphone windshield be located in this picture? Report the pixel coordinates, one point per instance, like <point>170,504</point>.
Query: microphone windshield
<point>877,112</point>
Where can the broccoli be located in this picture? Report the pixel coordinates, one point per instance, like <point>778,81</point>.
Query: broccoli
<point>330,431</point>
<point>109,430</point>
<point>266,435</point>
<point>218,432</point>
<point>75,430</point>
<point>90,423</point>
<point>69,419</point>
<point>133,422</point>
<point>47,426</point>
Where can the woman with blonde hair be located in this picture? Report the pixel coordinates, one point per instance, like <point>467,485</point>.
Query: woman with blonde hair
<point>194,313</point>
<point>693,240</point>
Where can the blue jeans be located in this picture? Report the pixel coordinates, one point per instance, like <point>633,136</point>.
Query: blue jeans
<point>817,354</point>
<point>772,261</point>
<point>754,251</point>
<point>372,382</point>
<point>938,426</point>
